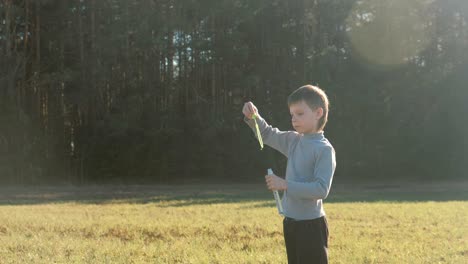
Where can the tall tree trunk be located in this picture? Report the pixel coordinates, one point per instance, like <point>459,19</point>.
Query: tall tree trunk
<point>85,108</point>
<point>170,64</point>
<point>38,35</point>
<point>213,70</point>
<point>8,94</point>
<point>8,4</point>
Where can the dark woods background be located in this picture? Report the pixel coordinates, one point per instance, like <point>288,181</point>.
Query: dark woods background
<point>151,91</point>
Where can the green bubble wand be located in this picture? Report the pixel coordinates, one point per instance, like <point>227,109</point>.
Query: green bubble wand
<point>259,135</point>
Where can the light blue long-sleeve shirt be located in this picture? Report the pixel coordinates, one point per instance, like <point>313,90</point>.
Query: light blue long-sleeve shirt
<point>309,171</point>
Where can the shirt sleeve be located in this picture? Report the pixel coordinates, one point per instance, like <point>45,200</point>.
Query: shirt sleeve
<point>323,175</point>
<point>272,137</point>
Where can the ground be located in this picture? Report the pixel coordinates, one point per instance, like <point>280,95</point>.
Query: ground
<point>368,223</point>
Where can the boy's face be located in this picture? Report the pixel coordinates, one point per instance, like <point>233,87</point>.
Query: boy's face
<point>303,118</point>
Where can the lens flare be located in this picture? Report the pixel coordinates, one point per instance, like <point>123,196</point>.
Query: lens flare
<point>389,32</point>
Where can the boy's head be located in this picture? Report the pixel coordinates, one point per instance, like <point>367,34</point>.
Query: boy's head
<point>309,109</point>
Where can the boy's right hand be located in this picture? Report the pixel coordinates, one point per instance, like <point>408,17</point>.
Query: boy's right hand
<point>249,110</point>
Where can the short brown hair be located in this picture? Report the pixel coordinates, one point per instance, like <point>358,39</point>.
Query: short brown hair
<point>314,97</point>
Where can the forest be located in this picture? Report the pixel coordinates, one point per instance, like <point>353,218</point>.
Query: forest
<point>151,91</point>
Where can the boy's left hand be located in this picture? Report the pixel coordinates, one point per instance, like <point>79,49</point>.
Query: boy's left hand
<point>276,183</point>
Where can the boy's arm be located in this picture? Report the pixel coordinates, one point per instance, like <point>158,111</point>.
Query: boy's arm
<point>272,137</point>
<point>323,172</point>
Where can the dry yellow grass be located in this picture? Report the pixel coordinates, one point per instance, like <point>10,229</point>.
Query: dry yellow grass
<point>224,224</point>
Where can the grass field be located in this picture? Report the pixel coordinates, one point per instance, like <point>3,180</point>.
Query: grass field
<point>227,224</point>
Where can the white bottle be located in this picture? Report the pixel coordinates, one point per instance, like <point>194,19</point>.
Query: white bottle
<point>277,197</point>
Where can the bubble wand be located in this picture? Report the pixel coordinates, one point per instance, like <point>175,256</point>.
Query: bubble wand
<point>259,135</point>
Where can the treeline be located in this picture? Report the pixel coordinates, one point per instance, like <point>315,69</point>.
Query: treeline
<point>135,91</point>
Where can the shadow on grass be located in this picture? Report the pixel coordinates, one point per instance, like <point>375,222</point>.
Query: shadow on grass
<point>177,196</point>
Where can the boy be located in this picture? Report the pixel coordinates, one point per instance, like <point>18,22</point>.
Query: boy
<point>309,172</point>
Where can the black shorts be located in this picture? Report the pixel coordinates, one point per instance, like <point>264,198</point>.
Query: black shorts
<point>306,240</point>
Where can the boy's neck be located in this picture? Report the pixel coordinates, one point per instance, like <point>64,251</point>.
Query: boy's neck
<point>318,135</point>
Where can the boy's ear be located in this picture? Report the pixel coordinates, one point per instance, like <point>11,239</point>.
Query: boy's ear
<point>319,112</point>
